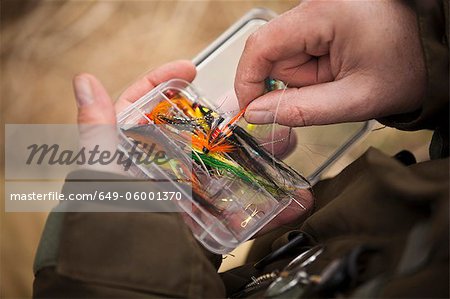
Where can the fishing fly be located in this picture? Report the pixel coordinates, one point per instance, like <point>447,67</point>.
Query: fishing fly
<point>217,147</point>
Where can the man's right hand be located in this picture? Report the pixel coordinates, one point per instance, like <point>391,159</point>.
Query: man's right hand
<point>342,60</point>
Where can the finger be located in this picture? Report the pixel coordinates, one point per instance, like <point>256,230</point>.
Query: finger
<point>290,34</point>
<point>298,72</point>
<point>96,119</point>
<point>181,69</point>
<point>293,212</point>
<point>344,100</point>
<point>94,104</point>
<point>280,142</point>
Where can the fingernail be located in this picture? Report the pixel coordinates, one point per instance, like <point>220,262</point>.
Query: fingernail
<point>259,117</point>
<point>83,91</point>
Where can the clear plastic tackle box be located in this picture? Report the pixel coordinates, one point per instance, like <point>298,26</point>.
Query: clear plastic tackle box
<point>234,191</point>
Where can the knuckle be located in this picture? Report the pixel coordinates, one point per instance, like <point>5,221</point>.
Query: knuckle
<point>251,40</point>
<point>256,40</point>
<point>296,116</point>
<point>301,116</point>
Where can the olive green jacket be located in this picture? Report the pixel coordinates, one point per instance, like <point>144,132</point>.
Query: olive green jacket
<point>400,212</point>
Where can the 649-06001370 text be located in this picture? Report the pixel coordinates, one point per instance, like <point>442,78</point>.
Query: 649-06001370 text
<point>96,195</point>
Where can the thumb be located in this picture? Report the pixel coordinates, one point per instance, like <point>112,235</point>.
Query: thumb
<point>333,102</point>
<point>96,118</point>
<point>94,104</point>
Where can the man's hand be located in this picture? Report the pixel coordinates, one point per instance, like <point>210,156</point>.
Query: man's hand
<point>95,105</point>
<point>343,61</point>
<point>97,119</point>
<point>97,112</point>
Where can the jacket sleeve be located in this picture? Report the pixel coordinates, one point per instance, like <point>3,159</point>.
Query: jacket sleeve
<point>123,254</point>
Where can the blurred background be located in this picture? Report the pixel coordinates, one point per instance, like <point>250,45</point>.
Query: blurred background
<point>45,43</point>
